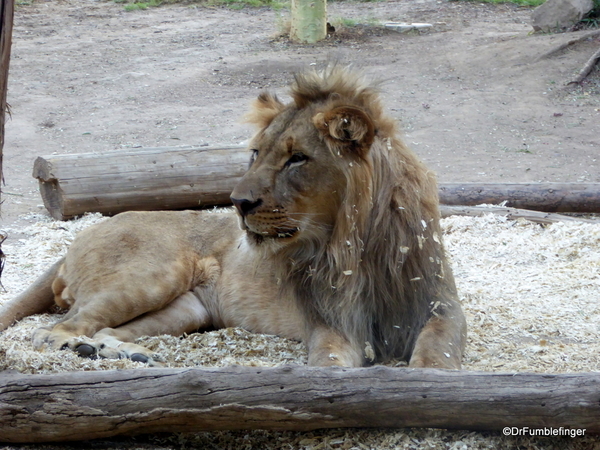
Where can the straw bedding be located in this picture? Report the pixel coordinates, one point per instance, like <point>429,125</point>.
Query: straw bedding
<point>530,293</point>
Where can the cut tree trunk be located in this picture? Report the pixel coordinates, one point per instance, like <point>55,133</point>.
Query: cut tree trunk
<point>140,180</point>
<point>548,197</point>
<point>192,177</point>
<point>309,21</point>
<point>87,405</point>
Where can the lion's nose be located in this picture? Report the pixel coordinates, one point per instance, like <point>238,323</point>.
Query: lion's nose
<point>245,206</point>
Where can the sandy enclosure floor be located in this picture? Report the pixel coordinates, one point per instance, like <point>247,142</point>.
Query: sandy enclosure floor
<point>474,96</point>
<point>530,294</point>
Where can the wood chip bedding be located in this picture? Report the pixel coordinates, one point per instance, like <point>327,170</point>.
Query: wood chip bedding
<point>530,293</point>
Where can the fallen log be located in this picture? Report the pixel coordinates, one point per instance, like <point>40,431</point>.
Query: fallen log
<point>511,213</point>
<point>556,50</point>
<point>587,68</point>
<point>192,177</point>
<point>87,405</point>
<point>139,180</point>
<point>547,197</point>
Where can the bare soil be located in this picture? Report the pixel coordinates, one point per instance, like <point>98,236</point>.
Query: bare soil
<point>474,98</point>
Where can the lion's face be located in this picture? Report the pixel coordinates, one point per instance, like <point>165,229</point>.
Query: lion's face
<point>291,187</point>
<point>296,181</point>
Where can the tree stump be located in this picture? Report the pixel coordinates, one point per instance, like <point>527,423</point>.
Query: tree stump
<point>309,21</point>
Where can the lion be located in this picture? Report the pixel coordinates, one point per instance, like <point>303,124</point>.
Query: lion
<point>334,240</point>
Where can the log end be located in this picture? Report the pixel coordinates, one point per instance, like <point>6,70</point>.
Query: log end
<point>53,199</point>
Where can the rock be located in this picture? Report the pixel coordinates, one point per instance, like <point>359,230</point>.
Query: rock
<point>557,15</point>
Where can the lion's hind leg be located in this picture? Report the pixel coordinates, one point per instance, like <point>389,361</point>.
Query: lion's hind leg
<point>36,299</point>
<point>185,314</point>
<point>441,342</point>
<point>94,311</point>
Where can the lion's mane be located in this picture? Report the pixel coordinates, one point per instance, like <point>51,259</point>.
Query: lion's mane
<point>372,280</point>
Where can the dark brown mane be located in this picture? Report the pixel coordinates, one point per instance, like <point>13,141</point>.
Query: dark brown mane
<point>337,85</point>
<point>373,279</point>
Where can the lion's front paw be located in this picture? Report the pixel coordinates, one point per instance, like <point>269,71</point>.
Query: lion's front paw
<point>105,347</point>
<point>46,337</point>
<point>433,360</point>
<point>89,348</point>
<point>113,348</point>
<point>138,353</point>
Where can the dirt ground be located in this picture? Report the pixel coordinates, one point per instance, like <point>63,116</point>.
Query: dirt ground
<point>475,96</point>
<point>474,99</point>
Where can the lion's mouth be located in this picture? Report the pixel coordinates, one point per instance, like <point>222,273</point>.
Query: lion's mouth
<point>271,225</point>
<point>269,231</point>
<point>275,233</point>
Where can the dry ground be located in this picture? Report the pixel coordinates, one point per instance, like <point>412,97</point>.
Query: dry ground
<point>473,97</point>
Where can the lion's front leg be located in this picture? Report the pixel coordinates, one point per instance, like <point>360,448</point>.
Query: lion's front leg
<point>442,340</point>
<point>327,347</point>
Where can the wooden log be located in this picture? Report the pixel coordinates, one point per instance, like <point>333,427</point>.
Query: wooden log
<point>548,197</point>
<point>141,180</point>
<point>558,49</point>
<point>511,213</point>
<point>587,68</point>
<point>189,177</point>
<point>87,405</point>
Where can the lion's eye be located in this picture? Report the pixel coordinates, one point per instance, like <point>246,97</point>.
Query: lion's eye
<point>297,159</point>
<point>254,156</point>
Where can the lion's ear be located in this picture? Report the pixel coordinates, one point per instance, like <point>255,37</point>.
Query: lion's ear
<point>347,128</point>
<point>264,109</point>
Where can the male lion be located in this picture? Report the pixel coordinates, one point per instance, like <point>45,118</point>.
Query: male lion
<point>340,247</point>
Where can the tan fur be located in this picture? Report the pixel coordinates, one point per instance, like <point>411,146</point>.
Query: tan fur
<point>340,246</point>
